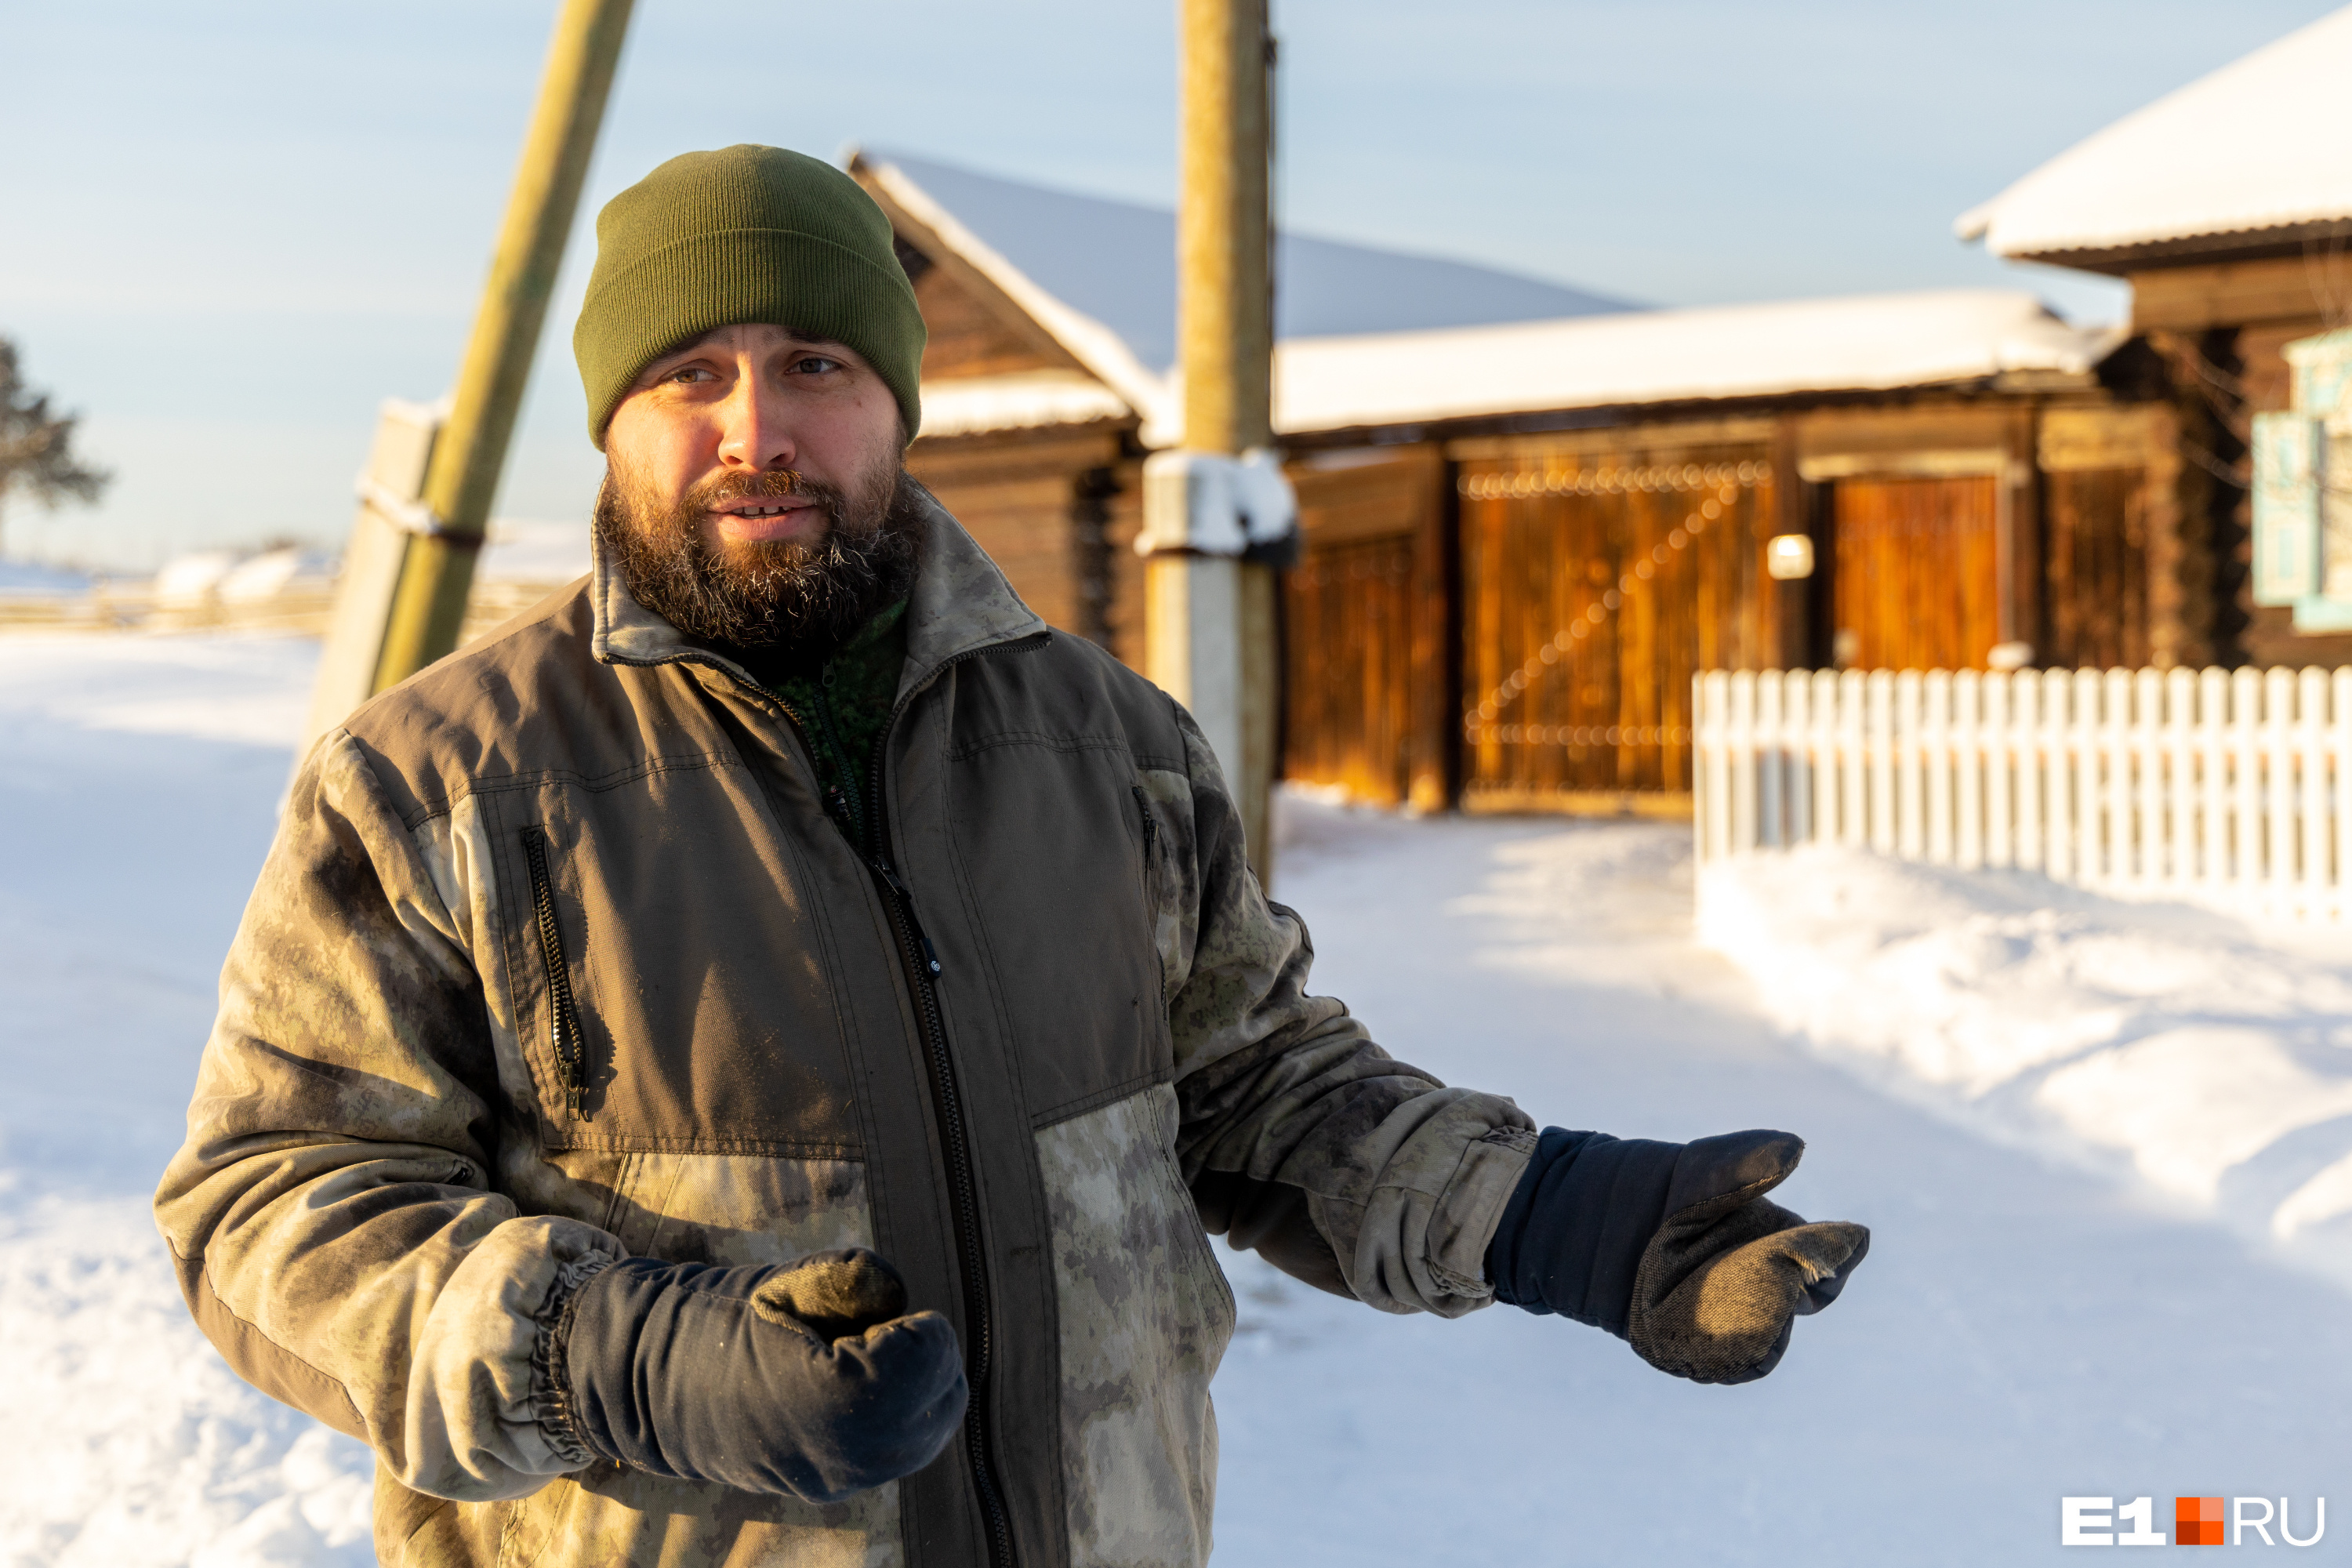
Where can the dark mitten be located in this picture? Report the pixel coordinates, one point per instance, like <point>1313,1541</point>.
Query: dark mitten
<point>808,1379</point>
<point>1672,1246</point>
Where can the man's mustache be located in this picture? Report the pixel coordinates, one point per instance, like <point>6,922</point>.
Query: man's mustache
<point>770,484</point>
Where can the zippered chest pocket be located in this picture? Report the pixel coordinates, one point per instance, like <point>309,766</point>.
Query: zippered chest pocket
<point>563,1012</point>
<point>671,988</point>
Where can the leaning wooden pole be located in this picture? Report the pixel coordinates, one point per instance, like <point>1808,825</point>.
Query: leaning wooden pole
<point>437,571</point>
<point>1210,616</point>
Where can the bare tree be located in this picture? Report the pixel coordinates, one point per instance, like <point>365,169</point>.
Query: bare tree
<point>37,456</point>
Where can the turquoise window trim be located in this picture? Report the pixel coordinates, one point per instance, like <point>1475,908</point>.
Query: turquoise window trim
<point>2291,500</point>
<point>2318,612</point>
<point>2286,461</point>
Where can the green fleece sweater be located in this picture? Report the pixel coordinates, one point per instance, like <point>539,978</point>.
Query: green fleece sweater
<point>843,703</point>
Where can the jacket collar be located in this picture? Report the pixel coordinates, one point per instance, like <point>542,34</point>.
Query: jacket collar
<point>960,602</point>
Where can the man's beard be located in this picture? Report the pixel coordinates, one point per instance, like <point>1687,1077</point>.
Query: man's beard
<point>797,595</point>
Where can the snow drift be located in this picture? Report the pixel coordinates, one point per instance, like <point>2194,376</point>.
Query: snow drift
<point>2211,1061</point>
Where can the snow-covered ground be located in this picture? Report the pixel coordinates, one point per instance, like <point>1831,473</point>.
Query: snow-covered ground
<point>139,783</point>
<point>2167,1044</point>
<point>2056,1300</point>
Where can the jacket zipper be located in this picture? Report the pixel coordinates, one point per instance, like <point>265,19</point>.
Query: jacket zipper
<point>570,1055</point>
<point>1150,825</point>
<point>921,961</point>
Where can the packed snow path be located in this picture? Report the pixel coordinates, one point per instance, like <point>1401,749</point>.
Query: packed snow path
<point>2025,1329</point>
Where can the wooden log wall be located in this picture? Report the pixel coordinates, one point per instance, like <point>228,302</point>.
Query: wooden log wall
<point>1055,510</point>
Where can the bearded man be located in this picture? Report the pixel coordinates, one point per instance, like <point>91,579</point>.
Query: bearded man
<point>741,1065</point>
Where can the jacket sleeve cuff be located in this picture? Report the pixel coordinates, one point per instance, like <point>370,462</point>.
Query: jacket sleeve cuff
<point>550,1372</point>
<point>1420,1240</point>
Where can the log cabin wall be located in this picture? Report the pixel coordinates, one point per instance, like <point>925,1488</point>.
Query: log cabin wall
<point>1057,511</point>
<point>2220,326</point>
<point>1056,508</point>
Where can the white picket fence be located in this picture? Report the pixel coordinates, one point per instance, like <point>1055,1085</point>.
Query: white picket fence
<point>2225,788</point>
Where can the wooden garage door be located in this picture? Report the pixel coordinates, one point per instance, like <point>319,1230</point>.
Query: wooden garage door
<point>1594,587</point>
<point>1915,579</point>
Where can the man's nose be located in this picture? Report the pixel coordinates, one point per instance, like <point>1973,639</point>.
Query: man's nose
<point>754,433</point>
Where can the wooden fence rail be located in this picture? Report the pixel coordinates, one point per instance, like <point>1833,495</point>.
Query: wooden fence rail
<point>2226,787</point>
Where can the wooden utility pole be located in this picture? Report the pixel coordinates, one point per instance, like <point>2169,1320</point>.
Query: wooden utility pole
<point>444,526</point>
<point>1210,614</point>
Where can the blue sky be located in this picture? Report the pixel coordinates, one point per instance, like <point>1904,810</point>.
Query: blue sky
<point>227,231</point>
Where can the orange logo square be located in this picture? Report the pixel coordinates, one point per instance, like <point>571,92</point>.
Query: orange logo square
<point>2197,1521</point>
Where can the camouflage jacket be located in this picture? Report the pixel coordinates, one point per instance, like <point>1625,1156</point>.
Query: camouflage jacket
<point>558,957</point>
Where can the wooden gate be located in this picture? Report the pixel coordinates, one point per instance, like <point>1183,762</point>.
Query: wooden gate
<point>1594,587</point>
<point>1916,571</point>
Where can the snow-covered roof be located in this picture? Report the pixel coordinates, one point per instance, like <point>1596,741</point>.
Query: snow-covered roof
<point>1368,338</point>
<point>1100,276</point>
<point>1023,400</point>
<point>1868,343</point>
<point>2259,144</point>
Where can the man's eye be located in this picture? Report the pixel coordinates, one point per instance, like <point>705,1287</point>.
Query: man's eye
<point>815,364</point>
<point>688,373</point>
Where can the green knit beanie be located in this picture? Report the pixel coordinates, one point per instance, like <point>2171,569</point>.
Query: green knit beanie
<point>744,234</point>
